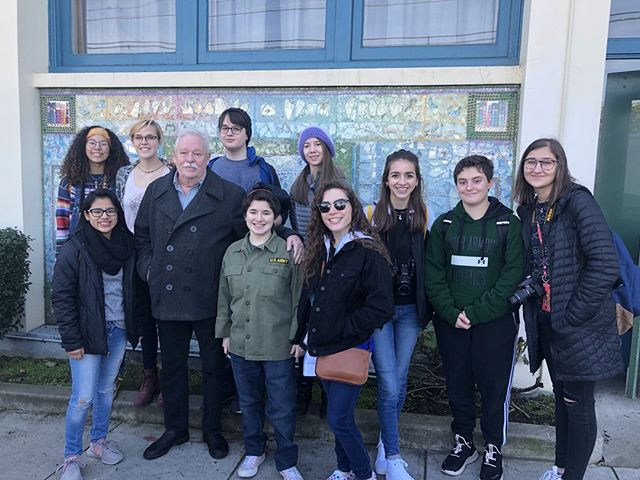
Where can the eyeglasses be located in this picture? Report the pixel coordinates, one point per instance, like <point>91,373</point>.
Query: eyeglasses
<point>94,144</point>
<point>235,130</point>
<point>546,164</point>
<point>339,205</point>
<point>97,212</point>
<point>147,138</point>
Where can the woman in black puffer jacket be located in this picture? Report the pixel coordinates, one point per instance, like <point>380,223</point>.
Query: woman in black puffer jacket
<point>570,253</point>
<point>94,304</point>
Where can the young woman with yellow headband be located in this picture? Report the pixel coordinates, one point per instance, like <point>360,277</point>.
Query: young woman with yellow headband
<point>94,157</point>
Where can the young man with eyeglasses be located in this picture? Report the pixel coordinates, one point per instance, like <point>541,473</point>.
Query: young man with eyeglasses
<point>240,164</point>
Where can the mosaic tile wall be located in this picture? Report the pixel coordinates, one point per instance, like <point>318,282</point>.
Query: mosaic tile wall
<point>441,125</point>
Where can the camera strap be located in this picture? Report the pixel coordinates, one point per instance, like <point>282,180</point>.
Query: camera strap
<point>546,300</point>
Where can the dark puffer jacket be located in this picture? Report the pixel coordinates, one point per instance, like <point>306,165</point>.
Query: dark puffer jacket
<point>584,268</point>
<point>78,299</point>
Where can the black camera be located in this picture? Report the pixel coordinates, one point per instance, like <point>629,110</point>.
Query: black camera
<point>528,289</point>
<point>403,276</point>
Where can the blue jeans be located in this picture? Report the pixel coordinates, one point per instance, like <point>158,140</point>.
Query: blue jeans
<point>351,452</point>
<point>92,379</point>
<point>279,380</point>
<point>394,346</point>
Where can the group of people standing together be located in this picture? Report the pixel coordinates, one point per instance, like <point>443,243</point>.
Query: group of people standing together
<point>163,250</point>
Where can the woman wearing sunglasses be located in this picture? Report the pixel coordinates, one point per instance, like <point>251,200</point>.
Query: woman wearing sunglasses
<point>93,302</point>
<point>131,183</point>
<point>347,295</point>
<point>572,325</point>
<point>94,157</point>
<point>401,219</point>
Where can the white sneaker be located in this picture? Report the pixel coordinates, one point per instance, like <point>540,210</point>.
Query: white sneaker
<point>105,450</point>
<point>249,466</point>
<point>397,470</point>
<point>380,465</point>
<point>71,468</point>
<point>340,475</point>
<point>551,474</point>
<point>291,474</point>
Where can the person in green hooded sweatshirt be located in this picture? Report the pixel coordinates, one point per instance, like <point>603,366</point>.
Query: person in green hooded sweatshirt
<point>473,264</point>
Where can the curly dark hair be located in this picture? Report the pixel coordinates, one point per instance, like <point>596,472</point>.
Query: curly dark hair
<point>314,251</point>
<point>76,164</point>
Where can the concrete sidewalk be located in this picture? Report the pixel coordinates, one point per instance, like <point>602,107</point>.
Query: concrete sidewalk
<point>32,446</point>
<point>32,438</point>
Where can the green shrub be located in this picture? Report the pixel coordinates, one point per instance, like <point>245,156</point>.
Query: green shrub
<point>14,278</point>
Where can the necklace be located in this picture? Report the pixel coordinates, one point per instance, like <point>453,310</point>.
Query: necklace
<point>152,170</point>
<point>400,212</point>
<point>96,178</point>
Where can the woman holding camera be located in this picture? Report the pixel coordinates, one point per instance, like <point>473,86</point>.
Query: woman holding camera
<point>401,218</point>
<point>347,295</point>
<point>570,254</point>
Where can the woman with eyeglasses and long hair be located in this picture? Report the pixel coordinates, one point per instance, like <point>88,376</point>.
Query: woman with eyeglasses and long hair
<point>347,295</point>
<point>401,218</point>
<point>317,150</point>
<point>93,301</point>
<point>131,183</point>
<point>93,159</point>
<point>572,325</point>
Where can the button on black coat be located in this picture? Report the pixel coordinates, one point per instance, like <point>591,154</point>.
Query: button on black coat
<point>584,268</point>
<point>182,250</point>
<point>78,299</point>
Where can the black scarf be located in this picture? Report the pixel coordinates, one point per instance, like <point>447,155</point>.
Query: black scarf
<point>109,254</point>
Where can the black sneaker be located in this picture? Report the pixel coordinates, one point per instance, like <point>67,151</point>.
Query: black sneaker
<point>492,464</point>
<point>462,455</point>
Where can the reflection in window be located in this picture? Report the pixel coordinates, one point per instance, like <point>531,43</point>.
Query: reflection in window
<point>389,23</point>
<point>124,26</point>
<point>266,24</point>
<point>624,21</point>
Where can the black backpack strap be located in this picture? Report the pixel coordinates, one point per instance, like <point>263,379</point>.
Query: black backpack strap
<point>502,226</point>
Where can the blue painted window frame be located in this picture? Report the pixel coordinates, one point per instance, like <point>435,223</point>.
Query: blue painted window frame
<point>619,48</point>
<point>507,39</point>
<point>343,46</point>
<point>207,56</point>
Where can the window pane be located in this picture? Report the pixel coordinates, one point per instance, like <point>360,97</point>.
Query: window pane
<point>389,23</point>
<point>266,24</point>
<point>124,26</point>
<point>624,21</point>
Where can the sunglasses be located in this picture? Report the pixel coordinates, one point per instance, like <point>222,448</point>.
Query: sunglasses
<point>339,205</point>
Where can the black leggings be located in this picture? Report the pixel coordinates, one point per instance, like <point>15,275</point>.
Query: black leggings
<point>576,427</point>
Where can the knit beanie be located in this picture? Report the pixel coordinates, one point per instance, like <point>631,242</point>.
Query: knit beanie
<point>315,132</point>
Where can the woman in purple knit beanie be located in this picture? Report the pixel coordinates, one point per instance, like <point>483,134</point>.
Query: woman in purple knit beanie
<point>317,150</point>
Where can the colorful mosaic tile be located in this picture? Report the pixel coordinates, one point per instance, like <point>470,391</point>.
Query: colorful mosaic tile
<point>58,114</point>
<point>492,115</point>
<point>441,125</point>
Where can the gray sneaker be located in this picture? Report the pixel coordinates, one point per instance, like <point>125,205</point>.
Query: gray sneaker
<point>105,450</point>
<point>71,468</point>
